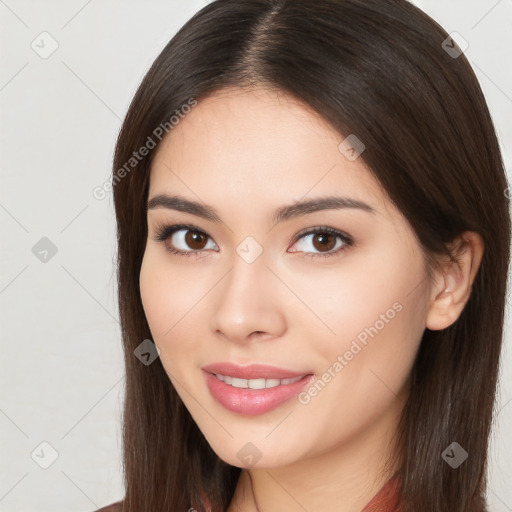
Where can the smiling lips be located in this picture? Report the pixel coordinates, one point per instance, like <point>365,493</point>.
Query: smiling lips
<point>253,389</point>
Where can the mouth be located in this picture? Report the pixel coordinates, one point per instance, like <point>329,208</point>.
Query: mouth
<point>254,389</point>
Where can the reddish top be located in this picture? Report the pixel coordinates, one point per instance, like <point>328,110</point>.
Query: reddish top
<point>381,502</point>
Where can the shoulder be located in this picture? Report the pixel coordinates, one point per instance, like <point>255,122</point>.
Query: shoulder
<point>114,507</point>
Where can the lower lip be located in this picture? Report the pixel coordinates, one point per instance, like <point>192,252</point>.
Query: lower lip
<point>252,402</point>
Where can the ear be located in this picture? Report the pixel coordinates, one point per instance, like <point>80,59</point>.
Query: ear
<point>454,280</point>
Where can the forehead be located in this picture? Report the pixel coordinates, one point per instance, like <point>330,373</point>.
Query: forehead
<point>257,146</point>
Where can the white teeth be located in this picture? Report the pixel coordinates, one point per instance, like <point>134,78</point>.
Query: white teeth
<point>255,383</point>
<point>239,383</point>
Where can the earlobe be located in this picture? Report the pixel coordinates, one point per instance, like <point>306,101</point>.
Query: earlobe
<point>454,280</point>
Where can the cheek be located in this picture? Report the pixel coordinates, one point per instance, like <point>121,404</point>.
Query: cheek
<point>363,383</point>
<point>378,315</point>
<point>155,297</point>
<point>360,295</point>
<point>376,309</point>
<point>173,300</point>
<point>167,294</point>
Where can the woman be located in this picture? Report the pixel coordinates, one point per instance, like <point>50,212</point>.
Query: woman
<point>313,241</point>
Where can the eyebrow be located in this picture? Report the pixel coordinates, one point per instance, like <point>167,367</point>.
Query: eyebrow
<point>283,213</point>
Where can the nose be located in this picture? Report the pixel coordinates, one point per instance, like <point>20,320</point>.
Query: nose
<point>247,304</point>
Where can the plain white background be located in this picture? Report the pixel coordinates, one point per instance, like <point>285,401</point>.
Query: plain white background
<point>61,368</point>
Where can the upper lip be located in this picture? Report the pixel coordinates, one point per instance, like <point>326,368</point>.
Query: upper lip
<point>252,371</point>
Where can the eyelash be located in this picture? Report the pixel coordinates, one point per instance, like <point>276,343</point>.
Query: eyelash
<point>163,232</point>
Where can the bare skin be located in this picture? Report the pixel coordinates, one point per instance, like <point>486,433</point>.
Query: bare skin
<point>246,153</point>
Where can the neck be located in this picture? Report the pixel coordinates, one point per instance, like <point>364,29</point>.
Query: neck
<point>344,479</point>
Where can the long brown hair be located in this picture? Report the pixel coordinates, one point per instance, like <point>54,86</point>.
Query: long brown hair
<point>377,69</point>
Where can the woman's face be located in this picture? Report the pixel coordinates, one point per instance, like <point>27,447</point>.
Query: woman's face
<point>333,294</point>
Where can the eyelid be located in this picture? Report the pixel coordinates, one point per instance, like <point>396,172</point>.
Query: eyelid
<point>163,231</point>
<point>324,229</point>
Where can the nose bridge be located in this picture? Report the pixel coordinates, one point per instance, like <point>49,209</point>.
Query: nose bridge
<point>244,303</point>
<point>248,270</point>
<point>244,284</point>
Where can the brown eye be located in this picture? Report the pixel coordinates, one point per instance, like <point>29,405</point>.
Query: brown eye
<point>322,241</point>
<point>188,240</point>
<point>195,240</point>
<point>184,240</point>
